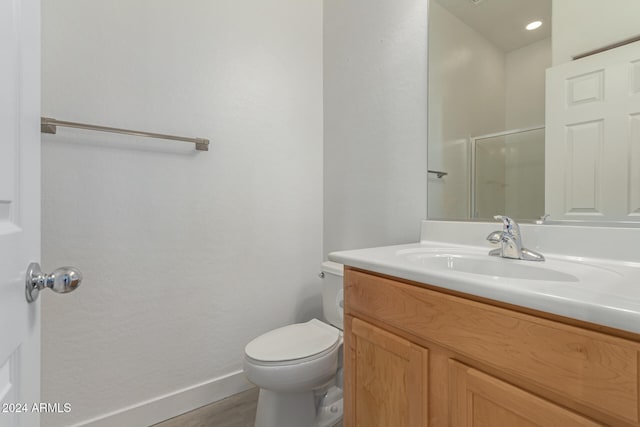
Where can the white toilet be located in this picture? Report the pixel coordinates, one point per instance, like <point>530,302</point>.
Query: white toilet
<point>299,367</point>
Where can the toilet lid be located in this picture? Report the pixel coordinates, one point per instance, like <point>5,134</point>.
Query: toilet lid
<point>293,342</point>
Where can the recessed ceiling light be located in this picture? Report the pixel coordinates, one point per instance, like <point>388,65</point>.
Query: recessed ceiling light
<point>533,25</point>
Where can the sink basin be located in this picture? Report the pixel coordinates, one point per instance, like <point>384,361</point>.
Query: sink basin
<point>488,266</point>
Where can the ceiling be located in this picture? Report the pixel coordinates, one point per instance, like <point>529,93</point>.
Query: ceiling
<point>502,22</point>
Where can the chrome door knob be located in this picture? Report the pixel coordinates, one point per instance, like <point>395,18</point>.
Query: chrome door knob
<point>62,280</point>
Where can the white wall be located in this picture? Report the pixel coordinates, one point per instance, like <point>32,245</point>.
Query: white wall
<point>583,25</point>
<point>186,256</point>
<point>525,84</point>
<point>466,98</point>
<point>375,117</point>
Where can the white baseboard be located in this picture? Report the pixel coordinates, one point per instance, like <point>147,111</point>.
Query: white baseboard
<point>170,405</point>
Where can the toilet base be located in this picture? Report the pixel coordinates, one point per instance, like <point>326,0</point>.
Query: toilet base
<point>331,409</point>
<point>276,409</point>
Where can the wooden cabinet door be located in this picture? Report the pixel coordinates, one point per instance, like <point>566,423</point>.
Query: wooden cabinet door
<point>480,400</point>
<point>385,378</point>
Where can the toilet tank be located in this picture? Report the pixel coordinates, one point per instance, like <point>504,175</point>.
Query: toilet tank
<point>333,293</point>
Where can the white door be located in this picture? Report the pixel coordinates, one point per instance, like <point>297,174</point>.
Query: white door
<point>19,209</point>
<point>592,165</point>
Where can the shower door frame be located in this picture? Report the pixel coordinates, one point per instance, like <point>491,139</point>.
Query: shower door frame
<point>472,158</point>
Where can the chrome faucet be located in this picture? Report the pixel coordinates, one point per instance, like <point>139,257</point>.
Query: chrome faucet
<point>511,242</point>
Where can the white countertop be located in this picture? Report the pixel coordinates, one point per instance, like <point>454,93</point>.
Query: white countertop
<point>605,292</point>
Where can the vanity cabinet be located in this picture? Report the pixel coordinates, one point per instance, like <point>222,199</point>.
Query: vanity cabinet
<point>418,355</point>
<point>478,399</point>
<point>392,389</point>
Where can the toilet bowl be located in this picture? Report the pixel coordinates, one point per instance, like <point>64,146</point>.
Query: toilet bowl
<point>298,367</point>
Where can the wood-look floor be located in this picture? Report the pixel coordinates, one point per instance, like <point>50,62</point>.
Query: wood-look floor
<point>235,411</point>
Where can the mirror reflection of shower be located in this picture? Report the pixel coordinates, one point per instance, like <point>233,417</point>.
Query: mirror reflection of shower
<point>507,174</point>
<point>487,77</point>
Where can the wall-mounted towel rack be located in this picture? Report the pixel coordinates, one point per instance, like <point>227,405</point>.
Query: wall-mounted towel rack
<point>439,174</point>
<point>49,125</point>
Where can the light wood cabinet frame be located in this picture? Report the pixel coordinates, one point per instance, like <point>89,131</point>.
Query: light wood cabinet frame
<point>569,365</point>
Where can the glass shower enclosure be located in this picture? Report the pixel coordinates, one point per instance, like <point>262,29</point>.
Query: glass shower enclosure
<point>507,174</point>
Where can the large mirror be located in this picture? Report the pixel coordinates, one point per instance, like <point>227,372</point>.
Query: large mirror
<point>486,142</point>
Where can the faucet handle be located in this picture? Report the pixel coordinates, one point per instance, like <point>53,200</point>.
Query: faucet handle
<point>495,237</point>
<point>509,225</point>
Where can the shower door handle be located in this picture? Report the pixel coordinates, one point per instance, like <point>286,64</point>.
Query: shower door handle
<point>62,280</point>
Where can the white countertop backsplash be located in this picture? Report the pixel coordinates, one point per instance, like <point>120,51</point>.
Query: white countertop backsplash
<point>615,243</point>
